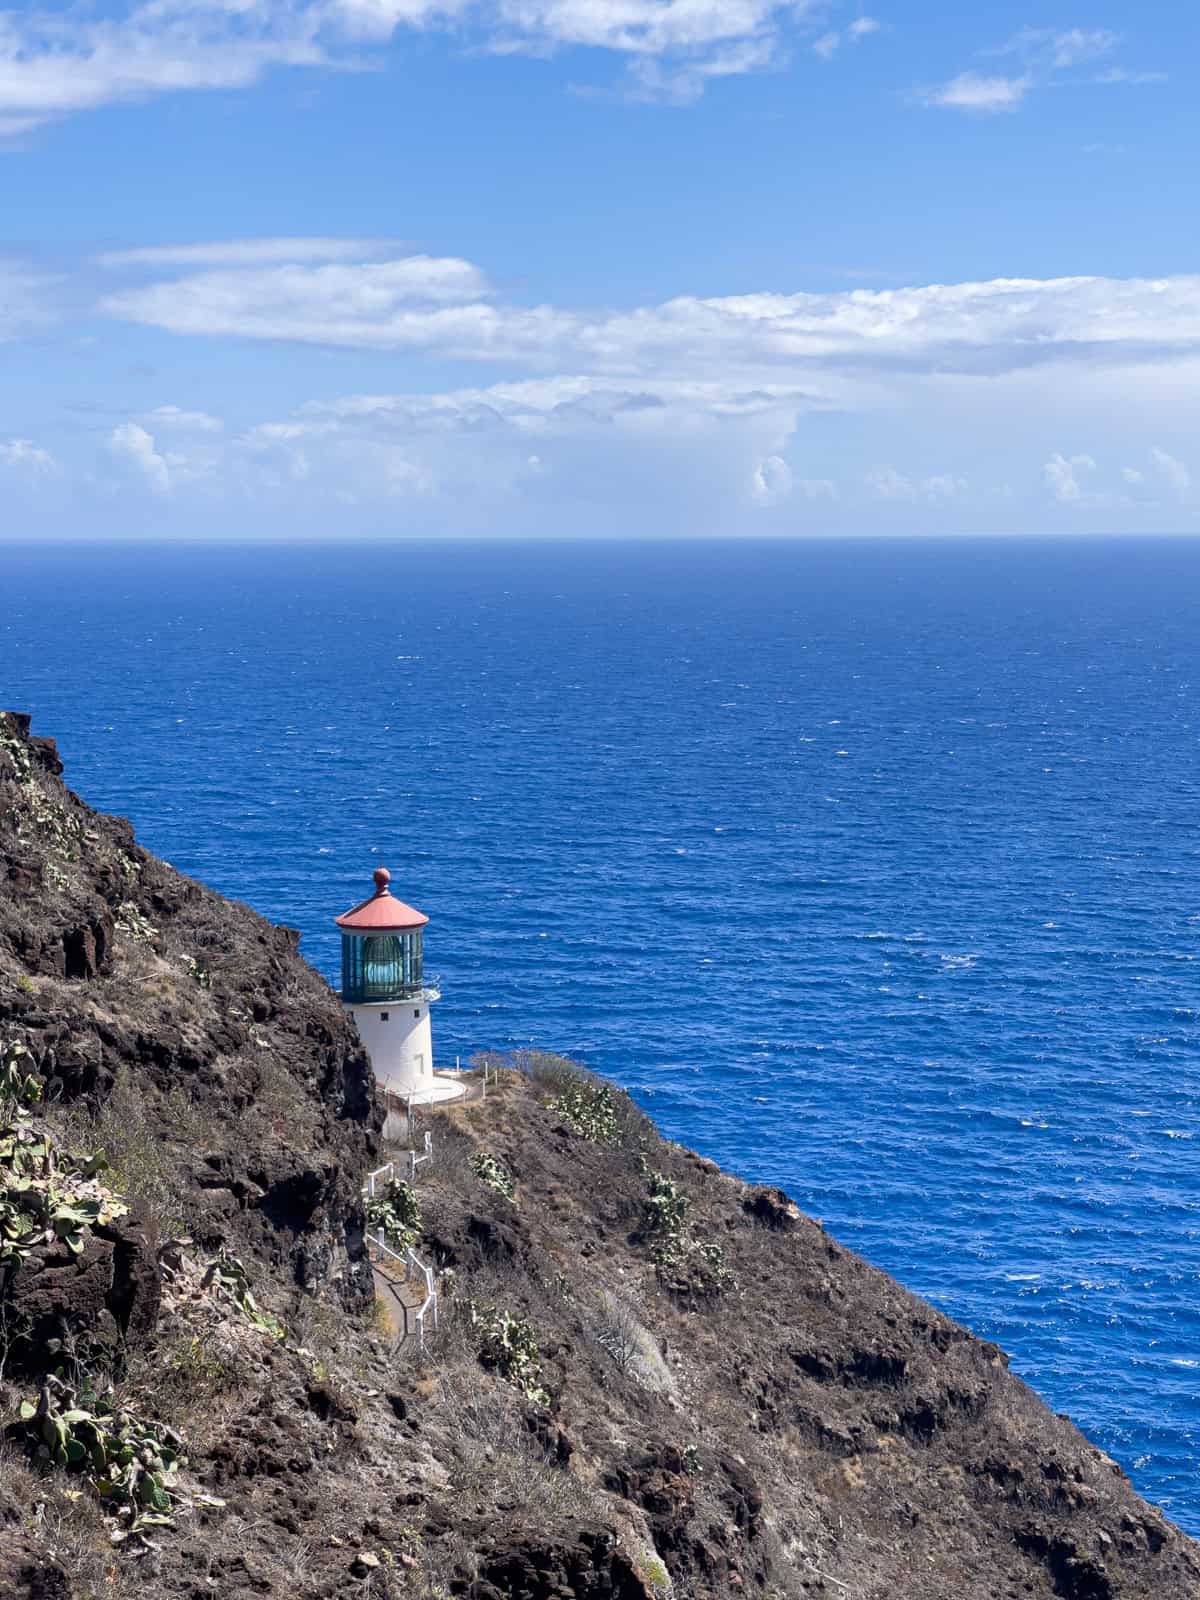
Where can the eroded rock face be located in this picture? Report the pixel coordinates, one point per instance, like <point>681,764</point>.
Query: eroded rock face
<point>102,1298</point>
<point>773,1209</point>
<point>589,1567</point>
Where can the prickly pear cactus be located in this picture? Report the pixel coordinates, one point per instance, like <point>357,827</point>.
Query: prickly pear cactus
<point>396,1211</point>
<point>229,1278</point>
<point>46,1192</point>
<point>130,1463</point>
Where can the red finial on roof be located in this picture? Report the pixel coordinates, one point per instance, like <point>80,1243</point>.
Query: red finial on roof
<point>381,912</point>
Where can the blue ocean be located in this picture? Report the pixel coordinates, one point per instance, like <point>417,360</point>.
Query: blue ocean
<point>871,868</point>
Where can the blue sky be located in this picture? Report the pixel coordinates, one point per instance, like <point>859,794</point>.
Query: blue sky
<point>583,267</point>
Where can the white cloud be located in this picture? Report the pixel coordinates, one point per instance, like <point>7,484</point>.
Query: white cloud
<point>1173,470</point>
<point>132,443</point>
<point>826,46</point>
<point>641,27</point>
<point>1061,475</point>
<point>862,27</point>
<point>379,19</point>
<point>245,252</point>
<point>973,91</point>
<point>412,301</point>
<point>22,455</point>
<point>1133,475</point>
<point>585,445</point>
<point>447,307</point>
<point>712,452</point>
<point>53,64</point>
<point>1045,53</point>
<point>771,481</point>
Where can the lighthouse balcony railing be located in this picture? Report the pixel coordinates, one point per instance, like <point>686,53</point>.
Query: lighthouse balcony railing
<point>363,993</point>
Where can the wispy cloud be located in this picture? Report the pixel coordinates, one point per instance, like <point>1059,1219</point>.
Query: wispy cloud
<point>22,455</point>
<point>1066,47</point>
<point>246,252</point>
<point>186,421</point>
<point>651,77</point>
<point>1044,55</point>
<point>886,483</point>
<point>1177,475</point>
<point>828,44</point>
<point>1123,75</point>
<point>26,299</point>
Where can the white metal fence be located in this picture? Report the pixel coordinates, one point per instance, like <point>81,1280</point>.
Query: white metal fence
<point>407,1263</point>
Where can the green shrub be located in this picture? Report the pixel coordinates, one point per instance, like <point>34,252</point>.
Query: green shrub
<point>695,1267</point>
<point>663,1211</point>
<point>396,1210</point>
<point>488,1170</point>
<point>129,920</point>
<point>590,1110</point>
<point>656,1575</point>
<point>201,974</point>
<point>507,1344</point>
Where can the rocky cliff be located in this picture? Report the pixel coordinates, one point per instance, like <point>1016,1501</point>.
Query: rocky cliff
<point>649,1378</point>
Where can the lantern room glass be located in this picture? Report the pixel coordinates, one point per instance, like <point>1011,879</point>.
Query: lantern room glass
<point>381,966</point>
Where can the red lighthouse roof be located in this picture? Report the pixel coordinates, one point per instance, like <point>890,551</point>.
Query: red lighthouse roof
<point>381,912</point>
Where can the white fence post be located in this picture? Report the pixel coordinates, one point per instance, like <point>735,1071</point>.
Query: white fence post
<point>374,1177</point>
<point>415,1160</point>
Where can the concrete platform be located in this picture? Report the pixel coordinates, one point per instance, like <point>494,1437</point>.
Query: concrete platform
<point>443,1088</point>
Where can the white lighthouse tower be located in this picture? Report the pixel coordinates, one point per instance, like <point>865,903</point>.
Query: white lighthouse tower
<point>385,990</point>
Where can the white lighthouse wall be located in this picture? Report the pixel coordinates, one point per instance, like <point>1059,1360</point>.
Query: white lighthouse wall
<point>400,1047</point>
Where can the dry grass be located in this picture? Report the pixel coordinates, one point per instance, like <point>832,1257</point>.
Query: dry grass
<point>499,1460</point>
<point>141,1164</point>
<point>67,1525</point>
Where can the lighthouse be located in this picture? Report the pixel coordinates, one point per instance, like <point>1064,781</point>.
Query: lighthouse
<point>385,990</point>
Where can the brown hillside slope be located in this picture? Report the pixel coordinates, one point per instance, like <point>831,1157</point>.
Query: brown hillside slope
<point>649,1377</point>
